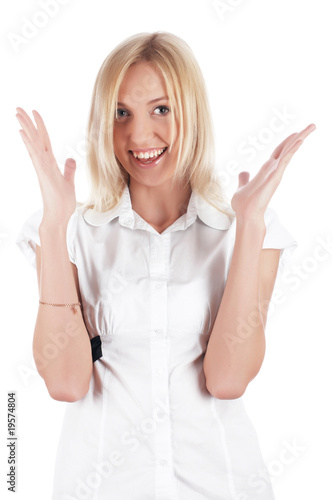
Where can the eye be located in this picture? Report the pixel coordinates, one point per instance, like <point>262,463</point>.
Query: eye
<point>165,108</point>
<point>120,113</point>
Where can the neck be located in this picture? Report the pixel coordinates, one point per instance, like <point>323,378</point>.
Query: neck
<point>159,206</point>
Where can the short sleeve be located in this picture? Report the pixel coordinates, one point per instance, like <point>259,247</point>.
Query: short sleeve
<point>277,236</point>
<point>28,236</point>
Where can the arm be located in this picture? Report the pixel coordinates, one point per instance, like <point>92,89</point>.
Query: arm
<point>61,344</point>
<point>236,347</point>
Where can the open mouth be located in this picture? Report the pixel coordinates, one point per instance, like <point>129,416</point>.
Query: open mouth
<point>157,154</point>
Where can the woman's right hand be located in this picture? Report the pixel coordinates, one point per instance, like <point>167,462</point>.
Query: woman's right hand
<point>57,189</point>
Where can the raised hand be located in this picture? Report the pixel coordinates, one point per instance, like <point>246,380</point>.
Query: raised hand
<point>252,197</point>
<point>57,189</point>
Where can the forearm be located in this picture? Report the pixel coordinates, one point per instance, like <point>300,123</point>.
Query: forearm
<point>61,345</point>
<point>236,346</point>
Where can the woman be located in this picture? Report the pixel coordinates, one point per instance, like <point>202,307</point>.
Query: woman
<point>150,344</point>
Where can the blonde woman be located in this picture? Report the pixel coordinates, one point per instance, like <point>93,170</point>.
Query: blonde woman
<point>154,293</point>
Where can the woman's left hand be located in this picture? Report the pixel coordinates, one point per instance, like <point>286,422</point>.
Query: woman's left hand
<point>252,198</point>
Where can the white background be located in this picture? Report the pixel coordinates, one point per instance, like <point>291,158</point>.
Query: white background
<point>257,57</point>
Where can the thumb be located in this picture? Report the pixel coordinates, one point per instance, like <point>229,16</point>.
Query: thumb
<point>69,170</point>
<point>243,178</point>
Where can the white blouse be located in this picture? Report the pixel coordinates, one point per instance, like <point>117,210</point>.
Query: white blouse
<point>148,429</point>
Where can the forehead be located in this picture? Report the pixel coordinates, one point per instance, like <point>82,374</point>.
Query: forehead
<point>142,82</point>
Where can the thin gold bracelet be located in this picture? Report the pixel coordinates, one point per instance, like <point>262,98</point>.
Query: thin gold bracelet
<point>61,305</point>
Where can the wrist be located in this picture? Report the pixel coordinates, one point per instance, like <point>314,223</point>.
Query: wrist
<point>255,228</point>
<point>49,227</point>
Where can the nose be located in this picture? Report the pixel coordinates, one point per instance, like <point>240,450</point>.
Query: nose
<point>141,131</point>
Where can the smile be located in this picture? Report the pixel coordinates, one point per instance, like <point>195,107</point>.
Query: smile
<point>150,158</point>
<point>149,154</point>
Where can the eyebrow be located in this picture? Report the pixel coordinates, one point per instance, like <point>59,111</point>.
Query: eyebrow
<point>150,102</point>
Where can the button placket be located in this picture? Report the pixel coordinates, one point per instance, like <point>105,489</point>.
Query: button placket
<point>159,349</point>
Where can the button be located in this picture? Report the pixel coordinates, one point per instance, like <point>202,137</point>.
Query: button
<point>160,371</point>
<point>163,462</point>
<point>158,285</point>
<point>158,332</point>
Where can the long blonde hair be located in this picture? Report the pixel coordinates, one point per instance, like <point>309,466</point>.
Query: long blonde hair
<point>189,105</point>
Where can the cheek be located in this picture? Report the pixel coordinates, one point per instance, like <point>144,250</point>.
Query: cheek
<point>168,133</point>
<point>118,142</point>
<point>166,127</point>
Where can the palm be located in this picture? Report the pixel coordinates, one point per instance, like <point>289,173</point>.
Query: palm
<point>252,198</point>
<point>57,189</point>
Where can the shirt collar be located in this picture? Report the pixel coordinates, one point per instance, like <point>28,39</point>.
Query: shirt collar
<point>197,206</point>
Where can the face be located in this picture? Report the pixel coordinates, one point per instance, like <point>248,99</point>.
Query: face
<point>142,130</point>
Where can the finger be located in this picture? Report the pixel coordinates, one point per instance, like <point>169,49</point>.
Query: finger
<point>69,170</point>
<point>285,145</point>
<point>300,136</point>
<point>281,157</point>
<point>278,166</point>
<point>42,130</point>
<point>279,148</point>
<point>33,153</point>
<point>274,173</point>
<point>27,120</point>
<point>287,155</point>
<point>26,126</point>
<point>307,130</point>
<point>243,178</point>
<point>31,140</point>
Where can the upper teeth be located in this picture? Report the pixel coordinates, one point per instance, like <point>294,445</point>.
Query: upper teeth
<point>151,154</point>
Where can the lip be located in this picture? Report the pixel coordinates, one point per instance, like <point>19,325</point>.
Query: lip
<point>146,150</point>
<point>147,165</point>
